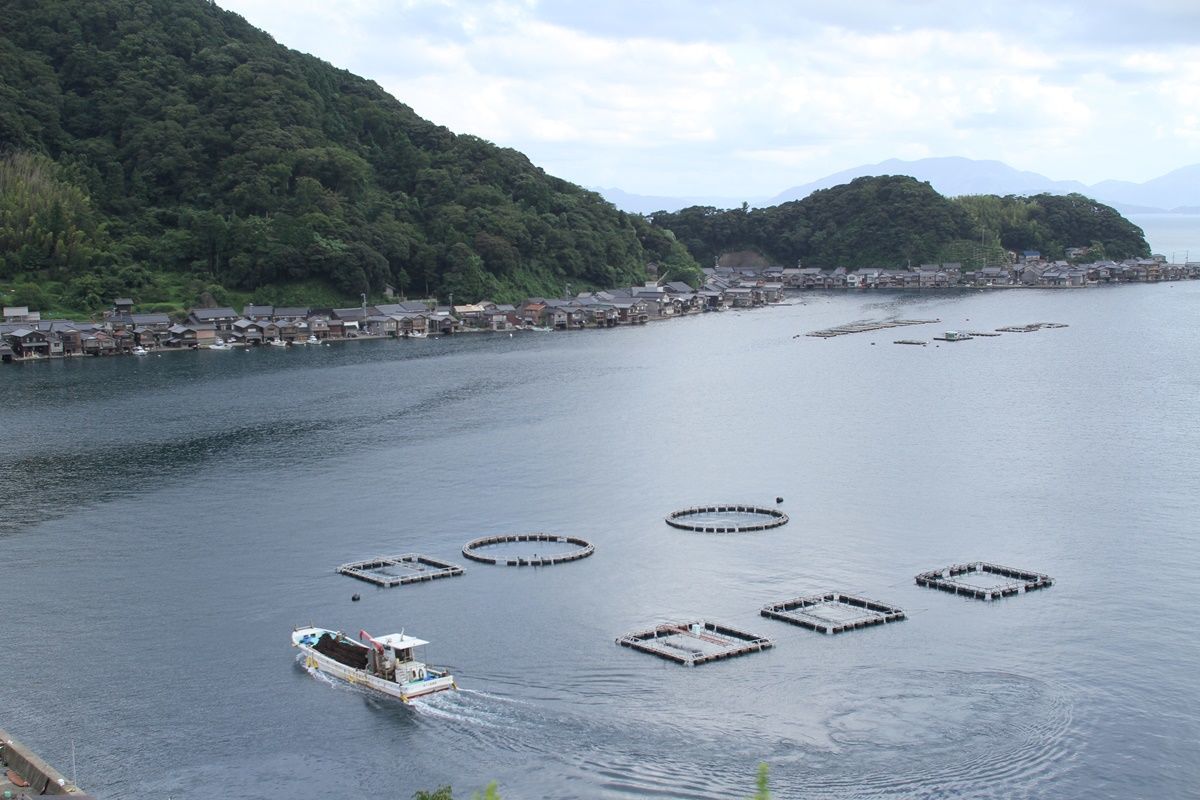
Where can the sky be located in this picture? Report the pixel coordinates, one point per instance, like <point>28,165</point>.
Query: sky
<point>745,99</point>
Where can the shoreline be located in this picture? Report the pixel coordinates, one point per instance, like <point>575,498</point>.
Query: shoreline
<point>787,295</point>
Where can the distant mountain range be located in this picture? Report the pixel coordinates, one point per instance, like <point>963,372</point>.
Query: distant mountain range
<point>1177,191</point>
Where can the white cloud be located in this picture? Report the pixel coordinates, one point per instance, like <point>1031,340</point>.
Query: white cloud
<point>706,98</point>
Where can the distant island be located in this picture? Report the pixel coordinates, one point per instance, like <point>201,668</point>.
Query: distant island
<point>168,152</point>
<point>1177,192</point>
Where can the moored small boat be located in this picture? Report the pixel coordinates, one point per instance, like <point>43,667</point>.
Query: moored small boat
<point>386,664</point>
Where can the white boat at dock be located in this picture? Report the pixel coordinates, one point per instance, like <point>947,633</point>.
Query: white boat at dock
<point>277,343</point>
<point>140,351</point>
<point>386,664</point>
<point>220,344</point>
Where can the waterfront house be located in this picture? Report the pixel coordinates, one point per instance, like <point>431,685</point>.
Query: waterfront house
<point>471,315</point>
<point>21,314</point>
<point>771,292</point>
<point>318,326</point>
<point>192,334</point>
<point>443,322</point>
<point>258,313</point>
<point>248,331</point>
<point>294,313</point>
<point>380,325</point>
<point>69,337</point>
<point>740,297</point>
<point>28,343</point>
<point>221,319</point>
<point>531,310</point>
<point>99,343</point>
<point>403,307</point>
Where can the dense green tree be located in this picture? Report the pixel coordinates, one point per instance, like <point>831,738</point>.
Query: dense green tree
<point>205,148</point>
<point>891,221</point>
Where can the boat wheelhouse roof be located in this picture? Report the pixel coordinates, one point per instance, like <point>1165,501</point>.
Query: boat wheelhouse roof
<point>398,641</point>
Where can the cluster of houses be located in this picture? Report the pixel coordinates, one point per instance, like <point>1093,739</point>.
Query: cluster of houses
<point>24,335</point>
<point>1029,270</point>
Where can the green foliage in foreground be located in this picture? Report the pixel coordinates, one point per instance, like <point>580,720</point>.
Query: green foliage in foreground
<point>172,136</point>
<point>762,790</point>
<point>897,221</point>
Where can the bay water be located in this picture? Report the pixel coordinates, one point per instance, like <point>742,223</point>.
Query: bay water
<point>165,522</point>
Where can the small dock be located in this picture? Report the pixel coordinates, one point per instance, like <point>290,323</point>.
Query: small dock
<point>692,643</point>
<point>833,612</point>
<point>583,549</point>
<point>870,325</point>
<point>983,581</point>
<point>919,342</point>
<point>954,336</point>
<point>24,774</point>
<point>399,570</point>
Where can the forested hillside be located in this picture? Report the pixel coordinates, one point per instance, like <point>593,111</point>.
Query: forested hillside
<point>893,220</point>
<point>151,141</point>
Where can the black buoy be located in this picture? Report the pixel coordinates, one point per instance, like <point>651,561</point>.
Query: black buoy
<point>354,598</point>
<point>778,499</point>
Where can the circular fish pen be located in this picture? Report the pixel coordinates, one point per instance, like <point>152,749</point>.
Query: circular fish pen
<point>726,519</point>
<point>582,549</point>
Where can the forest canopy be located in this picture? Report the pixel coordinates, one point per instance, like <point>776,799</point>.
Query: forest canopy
<point>172,135</point>
<point>895,220</point>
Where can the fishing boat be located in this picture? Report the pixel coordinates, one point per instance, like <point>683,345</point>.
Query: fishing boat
<point>385,664</point>
<point>312,339</point>
<point>140,351</point>
<point>220,344</point>
<point>277,343</point>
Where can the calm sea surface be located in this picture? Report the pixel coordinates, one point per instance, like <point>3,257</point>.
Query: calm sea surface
<point>165,522</point>
<point>1176,236</point>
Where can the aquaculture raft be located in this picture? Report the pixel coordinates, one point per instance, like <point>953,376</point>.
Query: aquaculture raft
<point>471,549</point>
<point>413,568</point>
<point>833,612</point>
<point>956,580</point>
<point>1031,327</point>
<point>692,643</point>
<point>865,327</point>
<point>768,518</point>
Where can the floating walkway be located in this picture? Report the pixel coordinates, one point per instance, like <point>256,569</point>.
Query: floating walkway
<point>1031,327</point>
<point>864,327</point>
<point>692,643</point>
<point>1005,581</point>
<point>833,612</point>
<point>756,519</point>
<point>920,342</point>
<point>399,570</point>
<point>471,549</point>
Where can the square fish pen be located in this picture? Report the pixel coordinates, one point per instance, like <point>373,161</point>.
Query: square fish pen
<point>983,581</point>
<point>691,643</point>
<point>833,612</point>
<point>399,570</point>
